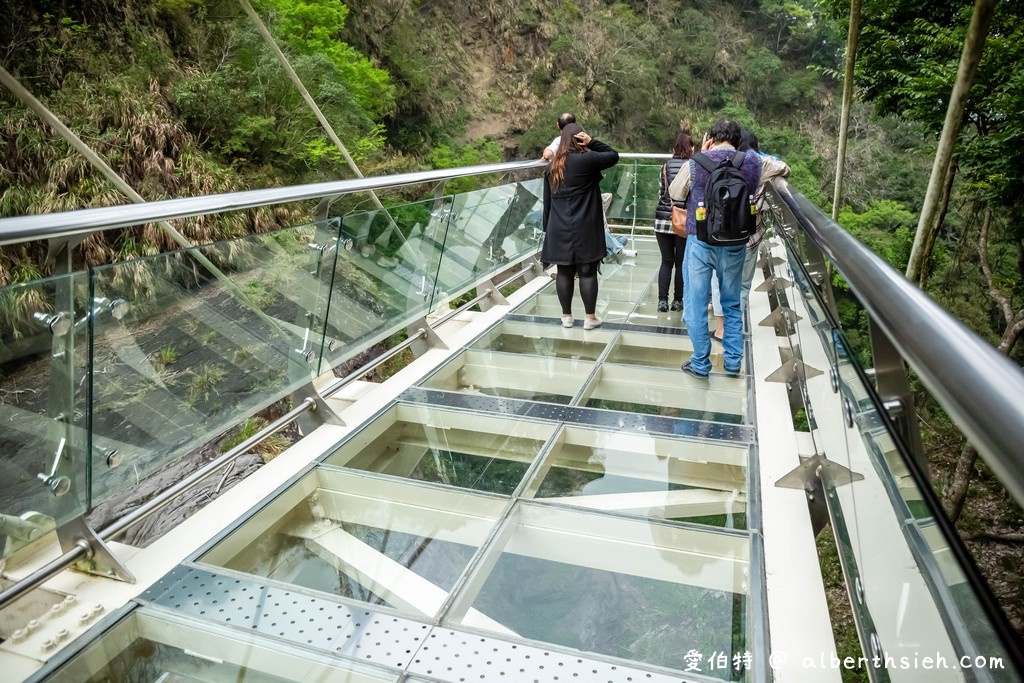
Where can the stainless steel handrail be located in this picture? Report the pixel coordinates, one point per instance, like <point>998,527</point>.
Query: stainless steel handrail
<point>87,221</point>
<point>979,387</point>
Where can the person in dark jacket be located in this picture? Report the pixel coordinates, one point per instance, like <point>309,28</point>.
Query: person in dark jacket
<point>574,220</point>
<point>671,245</point>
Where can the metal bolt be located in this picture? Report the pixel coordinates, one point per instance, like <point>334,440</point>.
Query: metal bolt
<point>19,636</point>
<point>849,411</point>
<point>58,485</point>
<point>56,323</point>
<point>48,645</point>
<point>62,635</point>
<point>834,377</point>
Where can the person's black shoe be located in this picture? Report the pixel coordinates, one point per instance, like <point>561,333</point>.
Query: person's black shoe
<point>663,306</point>
<point>677,305</point>
<point>688,369</point>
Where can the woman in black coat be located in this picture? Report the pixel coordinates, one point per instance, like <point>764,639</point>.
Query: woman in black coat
<point>574,219</point>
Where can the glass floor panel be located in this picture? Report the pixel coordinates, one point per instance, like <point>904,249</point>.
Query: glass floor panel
<point>384,542</point>
<point>446,447</point>
<point>640,591</point>
<point>652,391</point>
<point>549,380</point>
<point>149,647</point>
<point>647,476</point>
<point>539,339</point>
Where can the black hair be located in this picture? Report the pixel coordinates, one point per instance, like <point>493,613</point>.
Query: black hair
<point>748,141</point>
<point>725,130</point>
<point>565,119</point>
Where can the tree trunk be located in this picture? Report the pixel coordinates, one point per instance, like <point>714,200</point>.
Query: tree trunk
<point>981,18</point>
<point>956,493</point>
<point>926,269</point>
<point>844,118</point>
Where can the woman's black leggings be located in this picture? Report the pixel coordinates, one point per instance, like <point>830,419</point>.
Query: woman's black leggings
<point>587,273</point>
<point>672,247</point>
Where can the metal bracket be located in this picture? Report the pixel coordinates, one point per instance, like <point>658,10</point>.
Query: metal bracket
<point>496,298</point>
<point>430,341</point>
<point>99,560</point>
<point>769,261</point>
<point>321,414</point>
<point>772,282</point>
<point>807,476</point>
<point>783,320</point>
<point>792,369</point>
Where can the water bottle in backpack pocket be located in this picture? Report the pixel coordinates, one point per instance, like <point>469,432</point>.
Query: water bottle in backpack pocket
<point>730,215</point>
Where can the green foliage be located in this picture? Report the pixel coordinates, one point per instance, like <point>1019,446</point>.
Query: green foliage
<point>886,227</point>
<point>314,27</point>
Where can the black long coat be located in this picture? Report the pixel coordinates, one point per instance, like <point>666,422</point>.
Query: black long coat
<point>573,219</point>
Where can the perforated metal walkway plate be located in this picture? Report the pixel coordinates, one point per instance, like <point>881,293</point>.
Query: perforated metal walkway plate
<point>337,628</point>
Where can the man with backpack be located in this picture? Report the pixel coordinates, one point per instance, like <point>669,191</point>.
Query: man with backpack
<point>719,186</point>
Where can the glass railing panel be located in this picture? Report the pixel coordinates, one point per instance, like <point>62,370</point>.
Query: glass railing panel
<point>560,576</point>
<point>480,223</point>
<point>488,228</point>
<point>44,440</point>
<point>635,188</point>
<point>196,341</point>
<point>388,276</point>
<point>701,482</point>
<point>914,596</point>
<point>489,373</point>
<point>148,646</point>
<point>460,449</point>
<point>375,539</point>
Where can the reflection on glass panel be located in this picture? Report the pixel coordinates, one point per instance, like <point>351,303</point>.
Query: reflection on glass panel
<point>550,380</point>
<point>635,189</point>
<point>387,278</point>
<point>382,541</point>
<point>653,391</point>
<point>43,359</point>
<point>638,590</point>
<point>487,228</point>
<point>701,482</point>
<point>545,340</point>
<point>198,338</point>
<point>147,647</point>
<point>453,448</point>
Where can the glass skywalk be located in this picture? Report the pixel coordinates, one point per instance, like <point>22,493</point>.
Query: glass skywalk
<point>522,491</point>
<point>529,503</point>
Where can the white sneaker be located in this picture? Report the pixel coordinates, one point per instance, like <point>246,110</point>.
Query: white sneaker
<point>567,321</point>
<point>629,253</point>
<point>591,323</point>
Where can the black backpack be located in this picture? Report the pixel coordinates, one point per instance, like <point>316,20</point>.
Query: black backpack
<point>730,211</point>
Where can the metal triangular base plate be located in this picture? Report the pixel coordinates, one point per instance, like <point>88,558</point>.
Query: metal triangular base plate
<point>769,260</point>
<point>792,370</point>
<point>772,282</point>
<point>100,561</point>
<point>805,475</point>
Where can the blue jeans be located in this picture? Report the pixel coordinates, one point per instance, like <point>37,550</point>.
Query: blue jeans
<point>749,265</point>
<point>614,243</point>
<point>727,262</point>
